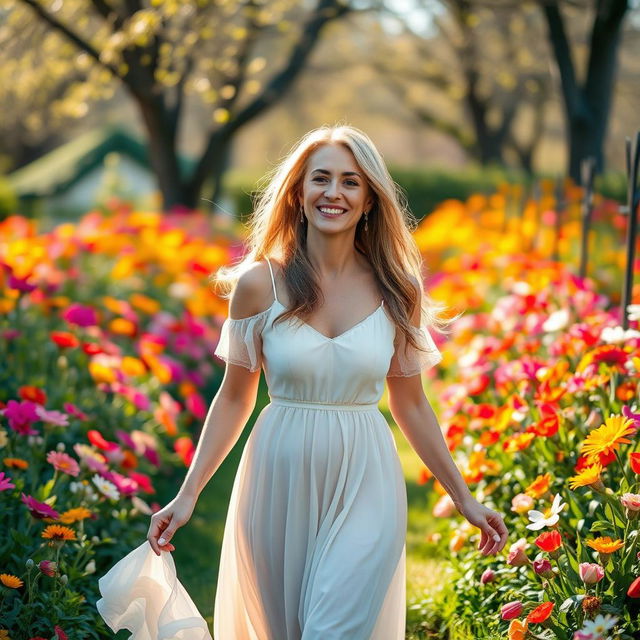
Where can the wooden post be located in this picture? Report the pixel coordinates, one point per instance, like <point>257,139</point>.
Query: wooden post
<point>633,199</point>
<point>587,174</point>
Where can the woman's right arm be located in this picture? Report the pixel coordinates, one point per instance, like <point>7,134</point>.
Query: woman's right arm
<point>226,418</point>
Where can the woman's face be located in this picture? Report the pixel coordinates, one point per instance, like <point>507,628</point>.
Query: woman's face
<point>335,193</point>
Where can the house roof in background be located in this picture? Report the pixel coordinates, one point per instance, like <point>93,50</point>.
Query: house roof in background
<point>59,169</point>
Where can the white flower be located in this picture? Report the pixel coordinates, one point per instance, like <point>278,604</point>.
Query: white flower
<point>90,568</point>
<point>547,519</point>
<point>556,321</point>
<point>617,335</point>
<point>598,627</point>
<point>633,311</point>
<point>105,487</point>
<point>141,505</point>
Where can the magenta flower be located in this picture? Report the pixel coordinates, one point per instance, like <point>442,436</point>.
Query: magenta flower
<point>72,410</point>
<point>39,510</point>
<point>125,438</point>
<point>5,482</point>
<point>56,418</point>
<point>126,486</point>
<point>627,413</point>
<point>488,575</point>
<point>80,315</point>
<point>20,284</point>
<point>63,462</point>
<point>48,567</point>
<point>543,568</point>
<point>511,610</point>
<point>21,415</point>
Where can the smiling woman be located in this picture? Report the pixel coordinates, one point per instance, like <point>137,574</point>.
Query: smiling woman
<point>328,302</point>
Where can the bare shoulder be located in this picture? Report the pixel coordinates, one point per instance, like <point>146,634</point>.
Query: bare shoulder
<point>253,292</point>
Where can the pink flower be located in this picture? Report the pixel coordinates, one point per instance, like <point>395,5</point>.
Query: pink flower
<point>126,486</point>
<point>39,510</point>
<point>5,482</point>
<point>631,501</point>
<point>20,284</point>
<point>21,415</point>
<point>488,575</point>
<point>627,413</point>
<point>517,556</point>
<point>444,508</point>
<point>63,462</point>
<point>522,503</point>
<point>590,573</point>
<point>48,567</point>
<point>80,315</point>
<point>56,418</point>
<point>511,610</point>
<point>60,634</point>
<point>543,568</point>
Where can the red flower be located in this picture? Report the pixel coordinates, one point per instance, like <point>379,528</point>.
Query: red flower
<point>60,634</point>
<point>98,440</point>
<point>183,446</point>
<point>546,427</point>
<point>35,394</point>
<point>91,348</point>
<point>635,462</point>
<point>549,541</point>
<point>540,613</point>
<point>64,339</point>
<point>634,589</point>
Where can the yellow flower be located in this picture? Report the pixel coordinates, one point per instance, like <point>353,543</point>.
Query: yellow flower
<point>4,438</point>
<point>604,544</point>
<point>4,634</point>
<point>73,515</point>
<point>539,486</point>
<point>58,532</point>
<point>589,476</point>
<point>11,581</point>
<point>144,303</point>
<point>608,437</point>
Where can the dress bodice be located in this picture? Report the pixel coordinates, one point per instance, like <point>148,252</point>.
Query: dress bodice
<point>302,364</point>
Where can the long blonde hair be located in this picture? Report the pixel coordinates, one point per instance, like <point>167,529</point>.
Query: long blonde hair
<point>275,230</point>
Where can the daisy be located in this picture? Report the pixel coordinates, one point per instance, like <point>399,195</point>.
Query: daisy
<point>73,515</point>
<point>539,486</point>
<point>5,482</point>
<point>63,462</point>
<point>588,477</point>
<point>58,532</point>
<point>547,519</point>
<point>607,438</point>
<point>604,544</point>
<point>56,418</point>
<point>105,487</point>
<point>39,509</point>
<point>600,625</point>
<point>10,581</point>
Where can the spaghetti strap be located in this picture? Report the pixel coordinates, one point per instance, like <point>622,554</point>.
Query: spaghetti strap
<point>273,282</point>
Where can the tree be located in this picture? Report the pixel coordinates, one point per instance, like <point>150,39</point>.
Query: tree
<point>238,56</point>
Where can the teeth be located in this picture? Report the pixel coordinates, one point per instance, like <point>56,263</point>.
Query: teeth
<point>330,211</point>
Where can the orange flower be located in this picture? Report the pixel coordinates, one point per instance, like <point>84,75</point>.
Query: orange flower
<point>101,373</point>
<point>608,437</point>
<point>10,581</point>
<point>133,366</point>
<point>15,463</point>
<point>540,613</point>
<point>604,544</point>
<point>539,486</point>
<point>73,515</point>
<point>517,629</point>
<point>58,533</point>
<point>518,442</point>
<point>35,394</point>
<point>123,327</point>
<point>589,477</point>
<point>144,303</point>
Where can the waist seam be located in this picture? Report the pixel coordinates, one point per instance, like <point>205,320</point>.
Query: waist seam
<point>331,406</point>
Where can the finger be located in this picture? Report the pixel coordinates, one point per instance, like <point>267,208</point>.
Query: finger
<point>493,538</point>
<point>499,537</point>
<point>167,534</point>
<point>483,540</point>
<point>153,534</point>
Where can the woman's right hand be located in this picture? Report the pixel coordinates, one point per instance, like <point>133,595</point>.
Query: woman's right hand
<point>165,522</point>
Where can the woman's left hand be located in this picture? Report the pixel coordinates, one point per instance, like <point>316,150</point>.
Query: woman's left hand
<point>494,533</point>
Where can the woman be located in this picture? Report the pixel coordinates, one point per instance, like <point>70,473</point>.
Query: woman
<point>328,301</point>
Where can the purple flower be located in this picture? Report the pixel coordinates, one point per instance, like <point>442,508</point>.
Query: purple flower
<point>39,509</point>
<point>627,413</point>
<point>80,315</point>
<point>20,284</point>
<point>5,482</point>
<point>20,416</point>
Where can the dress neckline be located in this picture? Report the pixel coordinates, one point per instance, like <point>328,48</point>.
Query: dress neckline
<point>340,335</point>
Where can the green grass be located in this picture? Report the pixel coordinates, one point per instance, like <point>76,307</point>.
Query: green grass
<point>198,543</point>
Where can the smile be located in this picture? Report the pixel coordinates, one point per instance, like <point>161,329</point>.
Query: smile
<point>331,212</point>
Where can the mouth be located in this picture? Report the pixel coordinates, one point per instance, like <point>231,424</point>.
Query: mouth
<point>331,212</point>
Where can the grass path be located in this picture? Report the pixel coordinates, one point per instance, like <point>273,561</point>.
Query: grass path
<point>198,544</point>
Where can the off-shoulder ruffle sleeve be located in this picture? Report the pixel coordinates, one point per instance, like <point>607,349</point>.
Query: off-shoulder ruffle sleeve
<point>407,360</point>
<point>241,341</point>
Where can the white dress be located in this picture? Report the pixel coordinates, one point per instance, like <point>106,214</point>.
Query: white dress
<point>314,540</point>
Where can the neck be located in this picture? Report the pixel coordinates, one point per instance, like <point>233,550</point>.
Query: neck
<point>331,256</point>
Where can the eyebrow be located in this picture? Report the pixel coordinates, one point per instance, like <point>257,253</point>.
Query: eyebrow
<point>344,173</point>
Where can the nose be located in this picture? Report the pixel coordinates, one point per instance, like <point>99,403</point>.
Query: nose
<point>332,189</point>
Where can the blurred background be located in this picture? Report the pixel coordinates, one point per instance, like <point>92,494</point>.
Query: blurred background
<point>174,103</point>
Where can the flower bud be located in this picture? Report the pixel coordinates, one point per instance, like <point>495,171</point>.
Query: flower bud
<point>61,446</point>
<point>488,575</point>
<point>543,568</point>
<point>64,579</point>
<point>511,610</point>
<point>590,572</point>
<point>29,564</point>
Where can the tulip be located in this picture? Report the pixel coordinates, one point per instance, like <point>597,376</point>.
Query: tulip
<point>511,610</point>
<point>634,589</point>
<point>543,568</point>
<point>522,503</point>
<point>590,573</point>
<point>631,503</point>
<point>488,575</point>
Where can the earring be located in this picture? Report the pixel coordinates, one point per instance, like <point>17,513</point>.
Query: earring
<point>366,221</point>
<point>301,215</point>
